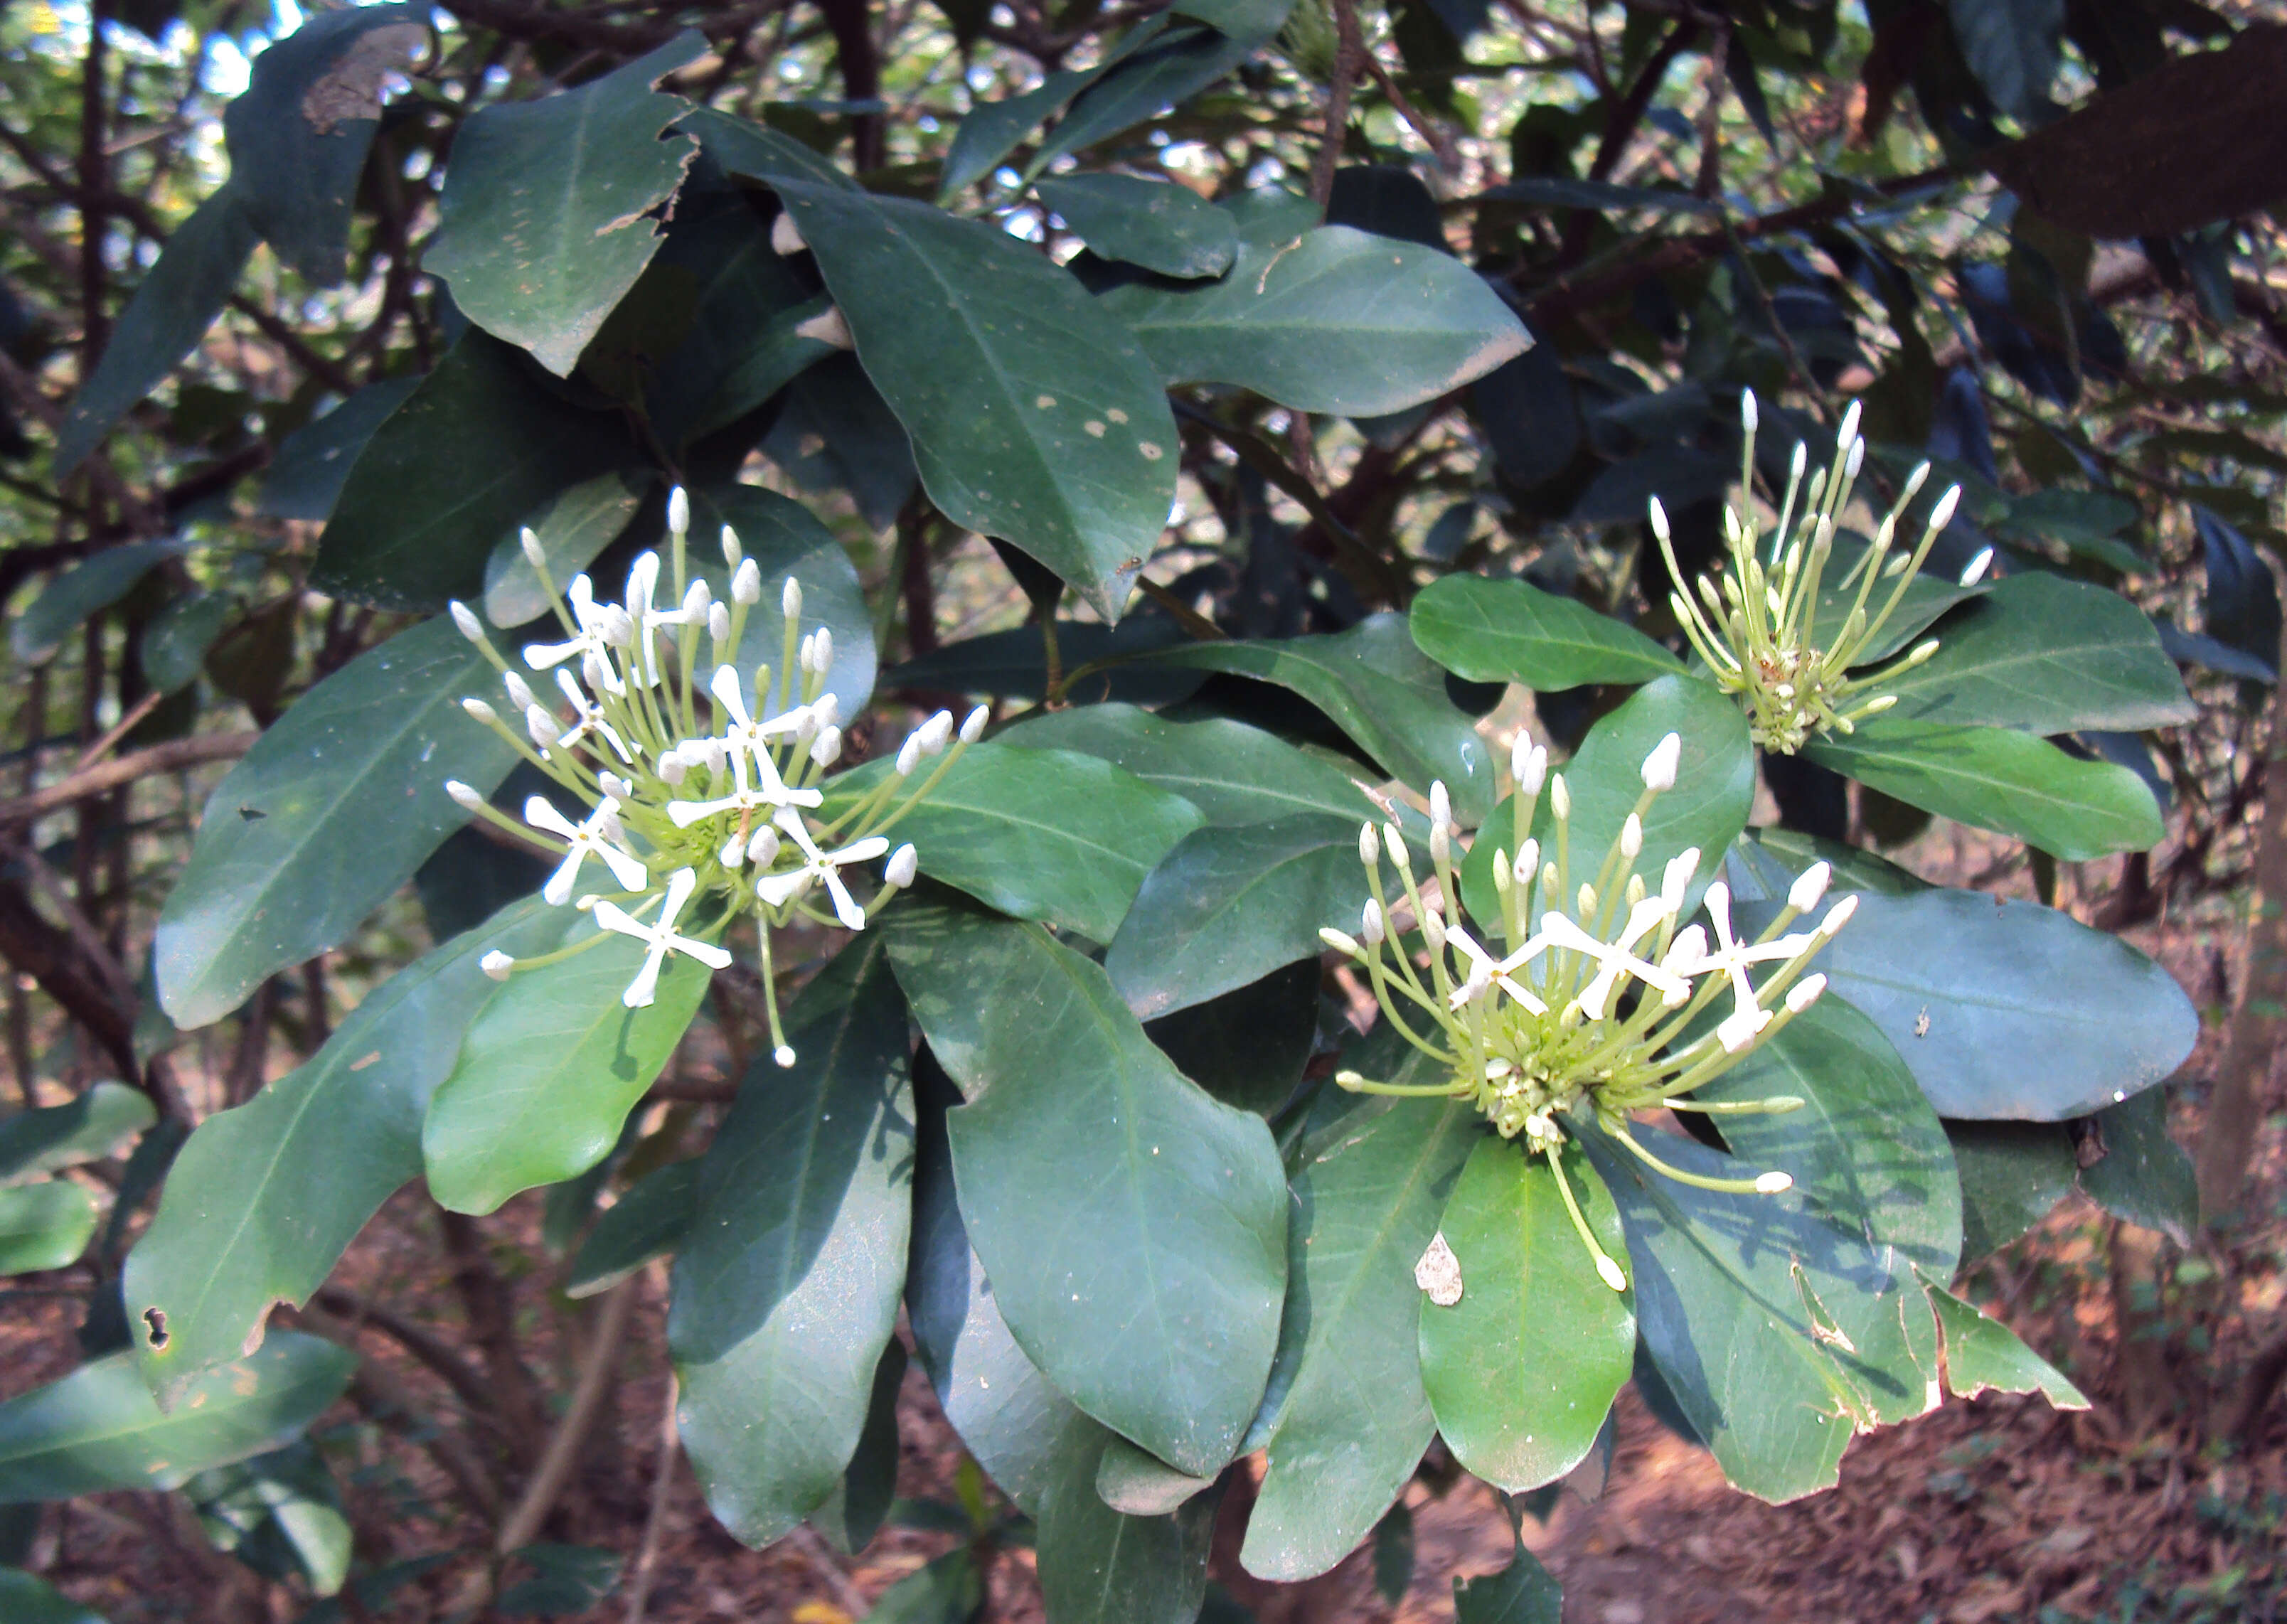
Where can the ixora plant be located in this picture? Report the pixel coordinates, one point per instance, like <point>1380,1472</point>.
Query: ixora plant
<point>1054,1064</point>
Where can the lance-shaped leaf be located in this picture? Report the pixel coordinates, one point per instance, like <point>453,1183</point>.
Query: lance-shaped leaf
<point>1995,778</point>
<point>2005,1008</point>
<point>265,1198</point>
<point>314,463</point>
<point>1045,834</point>
<point>1523,1368</point>
<point>2049,656</point>
<point>86,1129</point>
<point>1982,1353</point>
<point>476,451</point>
<point>853,1514</point>
<point>1134,1227</point>
<point>1383,692</point>
<point>572,529</point>
<point>551,1067</point>
<point>1231,904</point>
<point>83,591</point>
<point>97,1429</point>
<point>1032,414</point>
<point>1333,320</point>
<point>546,202</point>
<point>298,136</point>
<point>786,1289</point>
<point>1143,84</point>
<point>1233,773</point>
<point>43,1226</point>
<point>2143,1176</point>
<point>332,810</point>
<point>1154,224</point>
<point>176,302</point>
<point>1350,1419</point>
<point>1512,631</point>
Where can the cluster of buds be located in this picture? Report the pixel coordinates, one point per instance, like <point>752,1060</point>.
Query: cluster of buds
<point>703,798</point>
<point>1598,1004</point>
<point>1760,634</point>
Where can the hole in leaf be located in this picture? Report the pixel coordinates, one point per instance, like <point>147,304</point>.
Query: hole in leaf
<point>156,1319</point>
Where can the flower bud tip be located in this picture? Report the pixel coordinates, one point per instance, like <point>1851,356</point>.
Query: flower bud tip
<point>733,554</point>
<point>1978,566</point>
<point>900,870</point>
<point>465,618</point>
<point>746,583</point>
<point>1804,993</point>
<point>1659,766</point>
<point>1774,1184</point>
<point>496,965</point>
<point>1808,887</point>
<point>679,511</point>
<point>533,555</point>
<point>1607,1270</point>
<point>972,726</point>
<point>463,795</point>
<point>784,1055</point>
<point>790,599</point>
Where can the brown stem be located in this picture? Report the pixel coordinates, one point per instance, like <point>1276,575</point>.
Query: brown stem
<point>1350,56</point>
<point>467,1382</point>
<point>170,757</point>
<point>485,1302</point>
<point>919,595</point>
<point>563,1451</point>
<point>94,190</point>
<point>384,1396</point>
<point>663,1483</point>
<point>861,76</point>
<point>2264,1374</point>
<point>33,947</point>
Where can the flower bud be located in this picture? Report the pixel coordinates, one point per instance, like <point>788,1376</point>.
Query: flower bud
<point>733,554</point>
<point>1433,930</point>
<point>762,847</point>
<point>1632,835</point>
<point>1838,916</point>
<point>972,726</point>
<point>1808,887</point>
<point>1747,410</point>
<point>1609,1272</point>
<point>898,872</point>
<point>1528,859</point>
<point>1774,1184</point>
<point>1441,846</point>
<point>463,795</point>
<point>1941,515</point>
<point>1340,942</point>
<point>1676,878</point>
<point>1804,993</point>
<point>935,732</point>
<point>790,599</point>
<point>1440,805</point>
<point>541,725</point>
<point>826,747</point>
<point>496,965</point>
<point>1849,430</point>
<point>784,1055</point>
<point>1978,566</point>
<point>1659,521</point>
<point>1584,903</point>
<point>821,652</point>
<point>1560,798</point>
<point>1856,459</point>
<point>533,555</point>
<point>718,622</point>
<point>672,768</point>
<point>1372,928</point>
<point>1369,845</point>
<point>477,709</point>
<point>695,601</point>
<point>1796,464</point>
<point>802,651</point>
<point>909,755</point>
<point>465,618</point>
<point>1394,844</point>
<point>747,583</point>
<point>615,786</point>
<point>1659,766</point>
<point>679,511</point>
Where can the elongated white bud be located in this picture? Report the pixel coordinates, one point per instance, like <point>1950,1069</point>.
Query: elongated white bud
<point>1560,798</point>
<point>1659,521</point>
<point>1941,515</point>
<point>1632,837</point>
<point>696,598</point>
<point>541,725</point>
<point>1808,887</point>
<point>496,965</point>
<point>790,599</point>
<point>826,747</point>
<point>1747,414</point>
<point>935,732</point>
<point>821,652</point>
<point>1796,464</point>
<point>1913,485</point>
<point>1440,805</point>
<point>532,553</point>
<point>1527,862</point>
<point>1371,929</point>
<point>1839,915</point>
<point>1394,842</point>
<point>463,795</point>
<point>1849,430</point>
<point>733,554</point>
<point>786,236</point>
<point>465,618</point>
<point>718,622</point>
<point>477,709</point>
<point>972,726</point>
<point>784,1055</point>
<point>898,872</point>
<point>617,787</point>
<point>519,691</point>
<point>762,847</point>
<point>1978,566</point>
<point>1441,845</point>
<point>1369,845</point>
<point>1804,993</point>
<point>1854,461</point>
<point>1659,766</point>
<point>746,583</point>
<point>1433,930</point>
<point>679,511</point>
<point>1609,1272</point>
<point>802,652</point>
<point>909,755</point>
<point>1340,942</point>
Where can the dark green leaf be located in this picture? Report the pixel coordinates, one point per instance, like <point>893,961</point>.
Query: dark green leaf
<point>1154,224</point>
<point>1982,1353</point>
<point>1238,18</point>
<point>1381,691</point>
<point>1927,595</point>
<point>1140,1484</point>
<point>1039,834</point>
<point>1393,1554</point>
<point>1521,1593</point>
<point>1032,414</point>
<point>947,1590</point>
<point>179,299</point>
<point>1348,1419</point>
<point>43,1226</point>
<point>1563,192</point>
<point>1012,663</point>
<point>760,153</point>
<point>1233,773</point>
<point>1164,73</point>
<point>478,447</point>
<point>787,1290</point>
<point>27,1600</point>
<point>1995,778</point>
<point>2049,656</point>
<point>651,1218</point>
<point>854,1512</point>
<point>97,1428</point>
<point>1100,1567</point>
<point>1512,631</point>
<point>270,882</point>
<point>2144,1176</point>
<point>2011,46</point>
<point>305,478</point>
<point>1094,1176</point>
<point>280,1513</point>
<point>545,205</point>
<point>549,1070</point>
<point>175,643</point>
<point>1764,862</point>
<point>566,1579</point>
<point>2012,1174</point>
<point>786,540</point>
<point>1230,903</point>
<point>2242,602</point>
<point>1513,1409</point>
<point>2006,1008</point>
<point>576,526</point>
<point>776,354</point>
<point>272,1193</point>
<point>1678,475</point>
<point>835,433</point>
<point>298,136</point>
<point>994,130</point>
<point>1336,321</point>
<point>87,1128</point>
<point>1247,1047</point>
<point>82,591</point>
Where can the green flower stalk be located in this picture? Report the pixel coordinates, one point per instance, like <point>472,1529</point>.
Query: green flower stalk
<point>1761,636</point>
<point>703,798</point>
<point>1593,1010</point>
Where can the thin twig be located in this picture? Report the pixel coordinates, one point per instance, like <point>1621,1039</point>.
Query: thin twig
<point>172,757</point>
<point>563,1451</point>
<point>663,1483</point>
<point>1350,56</point>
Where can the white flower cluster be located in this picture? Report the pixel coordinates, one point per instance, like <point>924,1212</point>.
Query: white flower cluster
<point>708,795</point>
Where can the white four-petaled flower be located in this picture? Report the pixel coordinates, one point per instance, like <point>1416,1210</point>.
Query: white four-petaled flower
<point>820,867</point>
<point>597,835</point>
<point>660,938</point>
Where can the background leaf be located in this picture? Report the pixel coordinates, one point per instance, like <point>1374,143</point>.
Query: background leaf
<point>86,1127</point>
<point>1233,772</point>
<point>43,1226</point>
<point>1512,631</point>
<point>1155,224</point>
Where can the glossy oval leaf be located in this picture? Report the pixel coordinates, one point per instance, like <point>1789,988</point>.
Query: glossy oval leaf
<point>2003,1008</point>
<point>1045,834</point>
<point>97,1429</point>
<point>1033,416</point>
<point>1512,631</point>
<point>546,204</point>
<point>1233,772</point>
<point>548,1072</point>
<point>1333,321</point>
<point>1133,1228</point>
<point>44,1226</point>
<point>1383,692</point>
<point>265,1198</point>
<point>1228,904</point>
<point>1351,1418</point>
<point>331,811</point>
<point>1524,1369</point>
<point>2046,655</point>
<point>87,1128</point>
<point>786,1289</point>
<point>1158,225</point>
<point>1995,778</point>
<point>1102,1566</point>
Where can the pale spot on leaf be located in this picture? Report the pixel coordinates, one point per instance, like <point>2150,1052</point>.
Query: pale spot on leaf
<point>1439,1272</point>
<point>1095,429</point>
